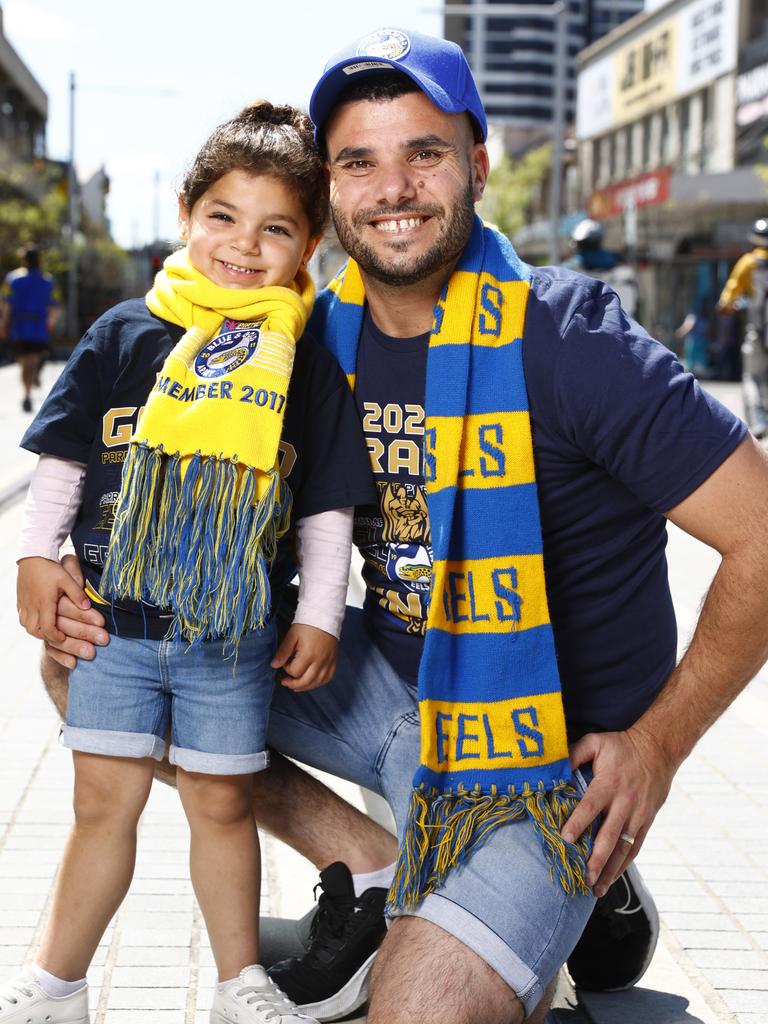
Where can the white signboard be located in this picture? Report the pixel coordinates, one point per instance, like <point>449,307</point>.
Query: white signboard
<point>703,36</point>
<point>707,43</point>
<point>594,99</point>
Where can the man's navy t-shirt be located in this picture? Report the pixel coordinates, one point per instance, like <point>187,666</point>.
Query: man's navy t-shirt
<point>621,433</point>
<point>92,410</point>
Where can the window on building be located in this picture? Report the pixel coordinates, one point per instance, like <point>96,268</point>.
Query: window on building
<point>665,140</point>
<point>707,134</point>
<point>629,149</point>
<point>684,116</point>
<point>646,144</point>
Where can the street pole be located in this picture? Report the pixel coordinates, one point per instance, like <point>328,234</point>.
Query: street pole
<point>559,13</point>
<point>72,312</point>
<point>558,133</point>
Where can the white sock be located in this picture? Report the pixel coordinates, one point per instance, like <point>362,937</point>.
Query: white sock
<point>381,879</point>
<point>56,987</point>
<point>221,985</point>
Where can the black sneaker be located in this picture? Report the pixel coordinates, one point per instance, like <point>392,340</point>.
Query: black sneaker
<point>26,405</point>
<point>331,979</point>
<point>618,943</point>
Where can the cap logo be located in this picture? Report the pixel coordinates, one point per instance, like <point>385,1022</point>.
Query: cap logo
<point>387,43</point>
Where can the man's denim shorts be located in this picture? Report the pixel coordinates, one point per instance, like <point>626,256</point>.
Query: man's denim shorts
<point>122,703</point>
<point>502,903</point>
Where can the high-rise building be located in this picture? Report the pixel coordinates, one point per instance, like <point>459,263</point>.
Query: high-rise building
<point>512,55</point>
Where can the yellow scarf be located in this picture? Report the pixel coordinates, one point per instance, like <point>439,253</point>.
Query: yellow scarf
<point>202,505</point>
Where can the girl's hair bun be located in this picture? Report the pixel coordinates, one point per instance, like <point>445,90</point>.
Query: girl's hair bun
<point>264,112</point>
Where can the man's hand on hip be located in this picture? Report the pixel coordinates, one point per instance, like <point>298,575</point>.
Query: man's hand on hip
<point>83,628</point>
<point>631,780</point>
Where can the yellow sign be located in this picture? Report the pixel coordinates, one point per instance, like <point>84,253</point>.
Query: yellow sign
<point>645,72</point>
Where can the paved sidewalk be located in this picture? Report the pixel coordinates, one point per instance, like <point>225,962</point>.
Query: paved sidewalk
<point>706,859</point>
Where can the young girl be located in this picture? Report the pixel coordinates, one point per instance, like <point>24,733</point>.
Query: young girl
<point>159,449</point>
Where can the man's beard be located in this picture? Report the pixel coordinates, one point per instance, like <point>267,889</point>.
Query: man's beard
<point>446,249</point>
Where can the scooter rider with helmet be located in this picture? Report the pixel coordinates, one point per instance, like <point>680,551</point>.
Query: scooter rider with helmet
<point>591,258</point>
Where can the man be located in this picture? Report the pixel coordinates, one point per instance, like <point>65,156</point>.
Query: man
<point>749,282</point>
<point>29,313</point>
<point>591,258</point>
<point>620,435</point>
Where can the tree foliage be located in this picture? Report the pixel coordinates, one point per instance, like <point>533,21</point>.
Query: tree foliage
<point>512,187</point>
<point>33,210</point>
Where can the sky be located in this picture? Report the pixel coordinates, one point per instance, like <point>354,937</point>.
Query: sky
<point>154,77</point>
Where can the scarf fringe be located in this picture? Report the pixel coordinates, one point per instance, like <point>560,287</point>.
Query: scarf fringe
<point>444,829</point>
<point>198,543</point>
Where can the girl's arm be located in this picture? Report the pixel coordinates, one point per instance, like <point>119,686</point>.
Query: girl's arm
<point>49,514</point>
<point>308,650</point>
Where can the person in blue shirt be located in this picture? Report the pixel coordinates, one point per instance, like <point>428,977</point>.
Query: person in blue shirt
<point>623,440</point>
<point>29,314</point>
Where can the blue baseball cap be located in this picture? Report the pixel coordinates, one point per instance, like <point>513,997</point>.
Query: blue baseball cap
<point>437,66</point>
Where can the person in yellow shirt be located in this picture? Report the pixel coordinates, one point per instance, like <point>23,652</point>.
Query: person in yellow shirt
<point>749,282</point>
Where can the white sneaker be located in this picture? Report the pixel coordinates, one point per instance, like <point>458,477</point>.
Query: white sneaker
<point>253,999</point>
<point>22,1001</point>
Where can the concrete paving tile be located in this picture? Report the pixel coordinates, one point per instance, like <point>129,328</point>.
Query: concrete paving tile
<point>747,1001</point>
<point>741,959</point>
<point>19,918</point>
<point>162,903</point>
<point>12,957</point>
<point>12,901</point>
<point>162,886</point>
<point>150,977</point>
<point>10,936</point>
<point>692,939</point>
<point>739,979</point>
<point>152,956</point>
<point>662,872</point>
<point>147,999</point>
<point>746,905</point>
<point>737,873</point>
<point>138,936</point>
<point>129,1016</point>
<point>685,884</point>
<point>14,886</point>
<point>669,903</point>
<point>699,922</point>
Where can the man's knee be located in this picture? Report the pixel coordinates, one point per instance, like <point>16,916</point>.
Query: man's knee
<point>56,681</point>
<point>424,973</point>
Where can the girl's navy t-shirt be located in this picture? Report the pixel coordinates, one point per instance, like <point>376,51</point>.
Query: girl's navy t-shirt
<point>91,412</point>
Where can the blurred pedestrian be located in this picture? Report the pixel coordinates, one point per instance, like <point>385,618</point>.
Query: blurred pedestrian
<point>694,334</point>
<point>748,284</point>
<point>592,259</point>
<point>29,314</point>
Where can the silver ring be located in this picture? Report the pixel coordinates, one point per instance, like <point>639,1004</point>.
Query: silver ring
<point>628,838</point>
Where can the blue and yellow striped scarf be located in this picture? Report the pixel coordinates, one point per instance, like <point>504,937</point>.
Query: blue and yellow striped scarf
<point>493,738</point>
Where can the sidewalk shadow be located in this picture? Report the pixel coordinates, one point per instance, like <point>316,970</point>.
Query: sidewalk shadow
<point>639,1006</point>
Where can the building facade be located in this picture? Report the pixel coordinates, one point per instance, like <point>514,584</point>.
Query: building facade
<point>658,152</point>
<point>511,56</point>
<point>23,106</point>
